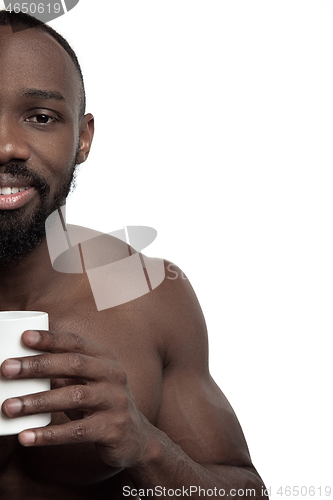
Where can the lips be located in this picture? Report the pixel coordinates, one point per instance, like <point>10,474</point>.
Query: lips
<point>15,191</point>
<point>16,199</point>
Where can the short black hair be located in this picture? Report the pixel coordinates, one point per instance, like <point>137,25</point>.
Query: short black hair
<point>18,19</point>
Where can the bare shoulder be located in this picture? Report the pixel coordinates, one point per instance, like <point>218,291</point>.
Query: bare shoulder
<point>180,317</point>
<point>119,277</point>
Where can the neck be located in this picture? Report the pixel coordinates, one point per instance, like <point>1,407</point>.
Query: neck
<point>23,285</point>
<point>34,281</point>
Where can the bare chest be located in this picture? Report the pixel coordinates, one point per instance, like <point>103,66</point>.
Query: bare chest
<point>132,336</point>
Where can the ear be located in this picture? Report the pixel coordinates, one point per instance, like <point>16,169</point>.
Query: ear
<point>86,136</point>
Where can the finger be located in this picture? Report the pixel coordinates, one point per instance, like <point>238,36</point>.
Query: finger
<point>66,365</point>
<point>74,397</point>
<point>82,431</point>
<point>52,341</point>
<point>64,382</point>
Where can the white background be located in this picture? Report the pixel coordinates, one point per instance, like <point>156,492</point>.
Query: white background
<point>214,123</point>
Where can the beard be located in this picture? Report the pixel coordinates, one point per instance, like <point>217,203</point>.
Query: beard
<point>21,233</point>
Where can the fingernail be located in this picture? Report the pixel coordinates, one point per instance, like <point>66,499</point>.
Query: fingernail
<point>27,437</point>
<point>13,405</point>
<point>11,367</point>
<point>32,337</point>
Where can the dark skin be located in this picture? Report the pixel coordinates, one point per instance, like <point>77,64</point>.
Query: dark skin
<point>132,400</point>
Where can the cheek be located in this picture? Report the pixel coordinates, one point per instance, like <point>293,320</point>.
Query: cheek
<point>52,154</point>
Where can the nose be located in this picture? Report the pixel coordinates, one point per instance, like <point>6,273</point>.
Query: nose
<point>13,146</point>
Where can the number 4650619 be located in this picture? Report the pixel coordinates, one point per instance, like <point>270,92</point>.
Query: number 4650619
<point>32,8</point>
<point>304,491</point>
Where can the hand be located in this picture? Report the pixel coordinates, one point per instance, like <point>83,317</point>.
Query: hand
<point>87,381</point>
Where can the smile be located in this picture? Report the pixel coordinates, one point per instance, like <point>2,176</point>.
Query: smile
<point>12,190</point>
<point>16,197</point>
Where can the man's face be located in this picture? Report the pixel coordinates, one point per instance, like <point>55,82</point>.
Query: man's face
<point>39,136</point>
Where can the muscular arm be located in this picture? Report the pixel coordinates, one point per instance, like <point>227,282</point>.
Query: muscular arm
<point>197,441</point>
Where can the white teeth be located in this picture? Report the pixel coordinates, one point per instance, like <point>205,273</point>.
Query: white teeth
<point>12,190</point>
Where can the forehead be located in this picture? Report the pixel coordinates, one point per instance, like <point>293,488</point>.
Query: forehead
<point>33,59</point>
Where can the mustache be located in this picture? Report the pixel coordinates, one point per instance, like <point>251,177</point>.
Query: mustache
<point>21,171</point>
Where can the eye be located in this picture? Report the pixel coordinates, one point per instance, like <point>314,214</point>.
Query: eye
<point>41,119</point>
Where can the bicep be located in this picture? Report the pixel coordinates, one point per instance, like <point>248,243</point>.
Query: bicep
<point>196,415</point>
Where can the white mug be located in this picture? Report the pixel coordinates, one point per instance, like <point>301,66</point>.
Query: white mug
<point>12,325</point>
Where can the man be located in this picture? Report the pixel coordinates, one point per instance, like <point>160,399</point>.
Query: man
<point>134,409</point>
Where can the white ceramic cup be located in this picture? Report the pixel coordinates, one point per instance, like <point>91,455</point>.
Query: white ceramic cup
<point>12,325</point>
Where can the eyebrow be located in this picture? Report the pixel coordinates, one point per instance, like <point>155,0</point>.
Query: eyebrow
<point>43,94</point>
